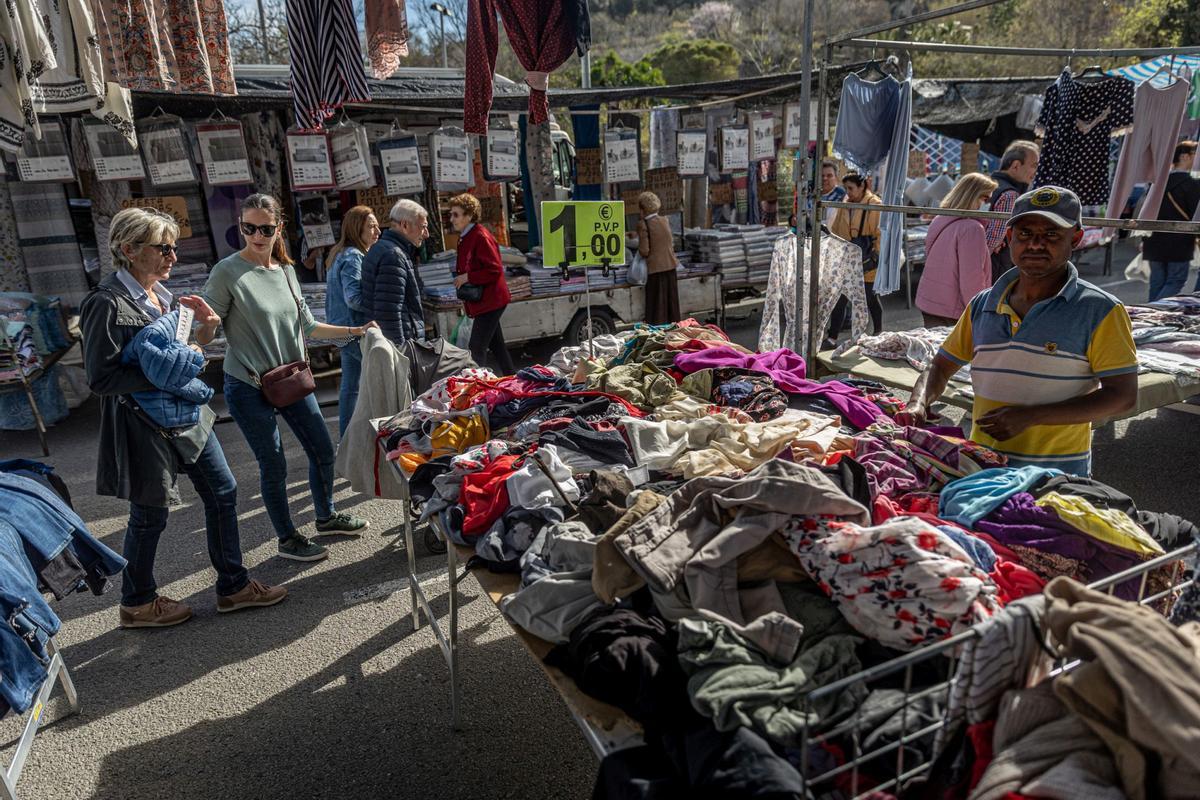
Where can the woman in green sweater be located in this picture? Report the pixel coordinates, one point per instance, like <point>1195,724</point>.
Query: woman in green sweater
<point>255,294</point>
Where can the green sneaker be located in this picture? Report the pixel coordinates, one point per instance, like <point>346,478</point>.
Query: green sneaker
<point>343,523</point>
<point>299,548</point>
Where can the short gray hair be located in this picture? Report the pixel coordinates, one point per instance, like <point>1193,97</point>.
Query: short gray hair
<point>407,211</point>
<point>1019,150</point>
<point>136,227</point>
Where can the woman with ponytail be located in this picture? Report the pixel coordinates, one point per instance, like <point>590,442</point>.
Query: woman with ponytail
<point>256,295</point>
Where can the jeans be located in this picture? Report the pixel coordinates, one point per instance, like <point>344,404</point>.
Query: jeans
<point>1167,278</point>
<point>348,393</point>
<point>218,491</point>
<point>256,417</point>
<point>486,335</point>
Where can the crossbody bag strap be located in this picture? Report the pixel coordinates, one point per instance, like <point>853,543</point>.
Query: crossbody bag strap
<point>289,274</point>
<point>1178,207</point>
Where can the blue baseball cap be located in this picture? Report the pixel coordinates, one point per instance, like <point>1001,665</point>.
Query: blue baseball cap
<point>1060,206</point>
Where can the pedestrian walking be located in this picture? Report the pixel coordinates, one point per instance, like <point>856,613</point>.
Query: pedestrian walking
<point>343,299</point>
<point>391,292</point>
<point>656,244</point>
<point>140,457</point>
<point>255,294</point>
<point>479,279</point>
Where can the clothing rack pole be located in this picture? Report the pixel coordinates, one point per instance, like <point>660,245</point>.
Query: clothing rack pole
<point>1157,225</point>
<point>924,16</point>
<point>814,267</point>
<point>56,673</point>
<point>948,47</point>
<point>802,167</point>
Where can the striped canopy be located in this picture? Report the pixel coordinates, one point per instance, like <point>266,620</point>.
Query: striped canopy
<point>1140,72</point>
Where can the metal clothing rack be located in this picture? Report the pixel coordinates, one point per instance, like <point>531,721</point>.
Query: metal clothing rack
<point>809,203</point>
<point>889,767</point>
<point>56,673</point>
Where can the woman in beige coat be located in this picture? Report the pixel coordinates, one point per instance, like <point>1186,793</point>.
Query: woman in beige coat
<point>657,245</point>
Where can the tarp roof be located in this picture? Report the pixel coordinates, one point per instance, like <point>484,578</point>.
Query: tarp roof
<point>936,102</point>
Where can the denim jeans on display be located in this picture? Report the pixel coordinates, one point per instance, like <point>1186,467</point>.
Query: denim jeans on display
<point>1167,278</point>
<point>256,417</point>
<point>217,488</point>
<point>348,393</point>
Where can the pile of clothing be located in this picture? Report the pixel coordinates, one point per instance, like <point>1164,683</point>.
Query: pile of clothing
<point>709,537</point>
<point>44,547</point>
<point>1167,333</point>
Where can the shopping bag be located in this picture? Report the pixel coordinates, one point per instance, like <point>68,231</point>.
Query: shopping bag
<point>461,336</point>
<point>1138,270</point>
<point>638,271</point>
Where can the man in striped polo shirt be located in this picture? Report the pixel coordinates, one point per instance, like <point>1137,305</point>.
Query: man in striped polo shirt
<point>1049,353</point>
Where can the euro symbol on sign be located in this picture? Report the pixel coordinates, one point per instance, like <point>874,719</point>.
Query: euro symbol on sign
<point>605,212</point>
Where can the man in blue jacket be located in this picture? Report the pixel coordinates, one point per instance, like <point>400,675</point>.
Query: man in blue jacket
<point>391,292</point>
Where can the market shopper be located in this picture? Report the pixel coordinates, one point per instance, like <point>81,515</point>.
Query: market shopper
<point>391,292</point>
<point>479,265</point>
<point>343,299</point>
<point>832,190</point>
<point>139,458</point>
<point>1018,166</point>
<point>1049,353</point>
<point>656,244</point>
<point>255,294</point>
<point>1170,254</point>
<point>859,227</point>
<point>958,265</point>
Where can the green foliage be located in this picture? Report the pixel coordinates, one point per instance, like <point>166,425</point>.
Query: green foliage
<point>696,61</point>
<point>612,70</point>
<point>1157,23</point>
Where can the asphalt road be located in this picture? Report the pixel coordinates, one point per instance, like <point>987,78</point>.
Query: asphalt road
<point>332,694</point>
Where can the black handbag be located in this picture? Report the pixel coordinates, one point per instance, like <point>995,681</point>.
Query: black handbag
<point>867,245</point>
<point>470,292</point>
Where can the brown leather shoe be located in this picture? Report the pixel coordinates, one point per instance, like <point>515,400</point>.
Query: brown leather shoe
<point>162,612</point>
<point>254,595</point>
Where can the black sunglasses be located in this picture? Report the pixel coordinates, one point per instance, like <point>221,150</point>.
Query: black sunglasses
<point>265,230</point>
<point>165,249</point>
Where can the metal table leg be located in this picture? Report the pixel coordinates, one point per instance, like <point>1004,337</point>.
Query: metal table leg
<point>38,422</point>
<point>411,549</point>
<point>57,673</point>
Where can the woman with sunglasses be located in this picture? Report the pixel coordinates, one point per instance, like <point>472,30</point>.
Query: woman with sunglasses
<point>256,295</point>
<point>138,458</point>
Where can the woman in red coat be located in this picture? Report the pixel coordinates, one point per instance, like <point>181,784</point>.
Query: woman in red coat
<point>479,265</point>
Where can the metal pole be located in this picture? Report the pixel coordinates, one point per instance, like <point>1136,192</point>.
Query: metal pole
<point>445,63</point>
<point>801,166</point>
<point>1161,225</point>
<point>262,31</point>
<point>585,71</point>
<point>945,47</point>
<point>814,272</point>
<point>924,16</point>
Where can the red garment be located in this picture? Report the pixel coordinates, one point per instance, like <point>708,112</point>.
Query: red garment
<point>980,737</point>
<point>479,260</point>
<point>1015,581</point>
<point>483,496</point>
<point>501,390</point>
<point>1002,551</point>
<point>910,505</point>
<point>541,34</point>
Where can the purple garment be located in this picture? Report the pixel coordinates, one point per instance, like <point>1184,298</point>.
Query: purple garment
<point>888,473</point>
<point>787,370</point>
<point>1020,521</point>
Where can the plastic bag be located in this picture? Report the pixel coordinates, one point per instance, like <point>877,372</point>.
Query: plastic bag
<point>638,271</point>
<point>1138,270</point>
<point>461,336</point>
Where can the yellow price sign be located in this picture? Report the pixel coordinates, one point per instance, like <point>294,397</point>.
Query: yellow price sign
<point>583,233</point>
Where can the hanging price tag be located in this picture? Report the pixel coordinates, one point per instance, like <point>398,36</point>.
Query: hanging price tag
<point>583,233</point>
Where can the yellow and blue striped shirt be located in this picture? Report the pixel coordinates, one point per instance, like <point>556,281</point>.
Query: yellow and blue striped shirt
<point>1060,350</point>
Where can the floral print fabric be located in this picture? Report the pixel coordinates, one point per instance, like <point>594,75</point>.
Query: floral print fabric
<point>903,583</point>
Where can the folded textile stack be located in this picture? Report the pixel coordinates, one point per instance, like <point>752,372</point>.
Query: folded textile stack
<point>708,536</point>
<point>18,354</point>
<point>187,279</point>
<point>722,248</point>
<point>1167,334</point>
<point>437,278</point>
<point>45,316</point>
<point>519,284</point>
<point>914,243</point>
<point>511,256</point>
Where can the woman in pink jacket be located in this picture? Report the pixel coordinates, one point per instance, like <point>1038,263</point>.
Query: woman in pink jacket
<point>958,264</point>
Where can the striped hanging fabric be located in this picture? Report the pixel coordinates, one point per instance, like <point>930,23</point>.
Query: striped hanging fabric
<point>326,61</point>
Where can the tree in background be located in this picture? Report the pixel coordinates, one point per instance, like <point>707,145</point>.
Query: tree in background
<point>612,70</point>
<point>1157,23</point>
<point>247,44</point>
<point>695,61</point>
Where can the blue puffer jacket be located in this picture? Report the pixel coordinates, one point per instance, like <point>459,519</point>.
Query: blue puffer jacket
<point>172,366</point>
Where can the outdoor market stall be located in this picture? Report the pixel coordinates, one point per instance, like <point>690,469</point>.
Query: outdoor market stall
<point>649,518</point>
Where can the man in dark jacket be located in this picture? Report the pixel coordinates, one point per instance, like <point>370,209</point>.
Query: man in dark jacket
<point>1018,165</point>
<point>391,292</point>
<point>1170,254</point>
